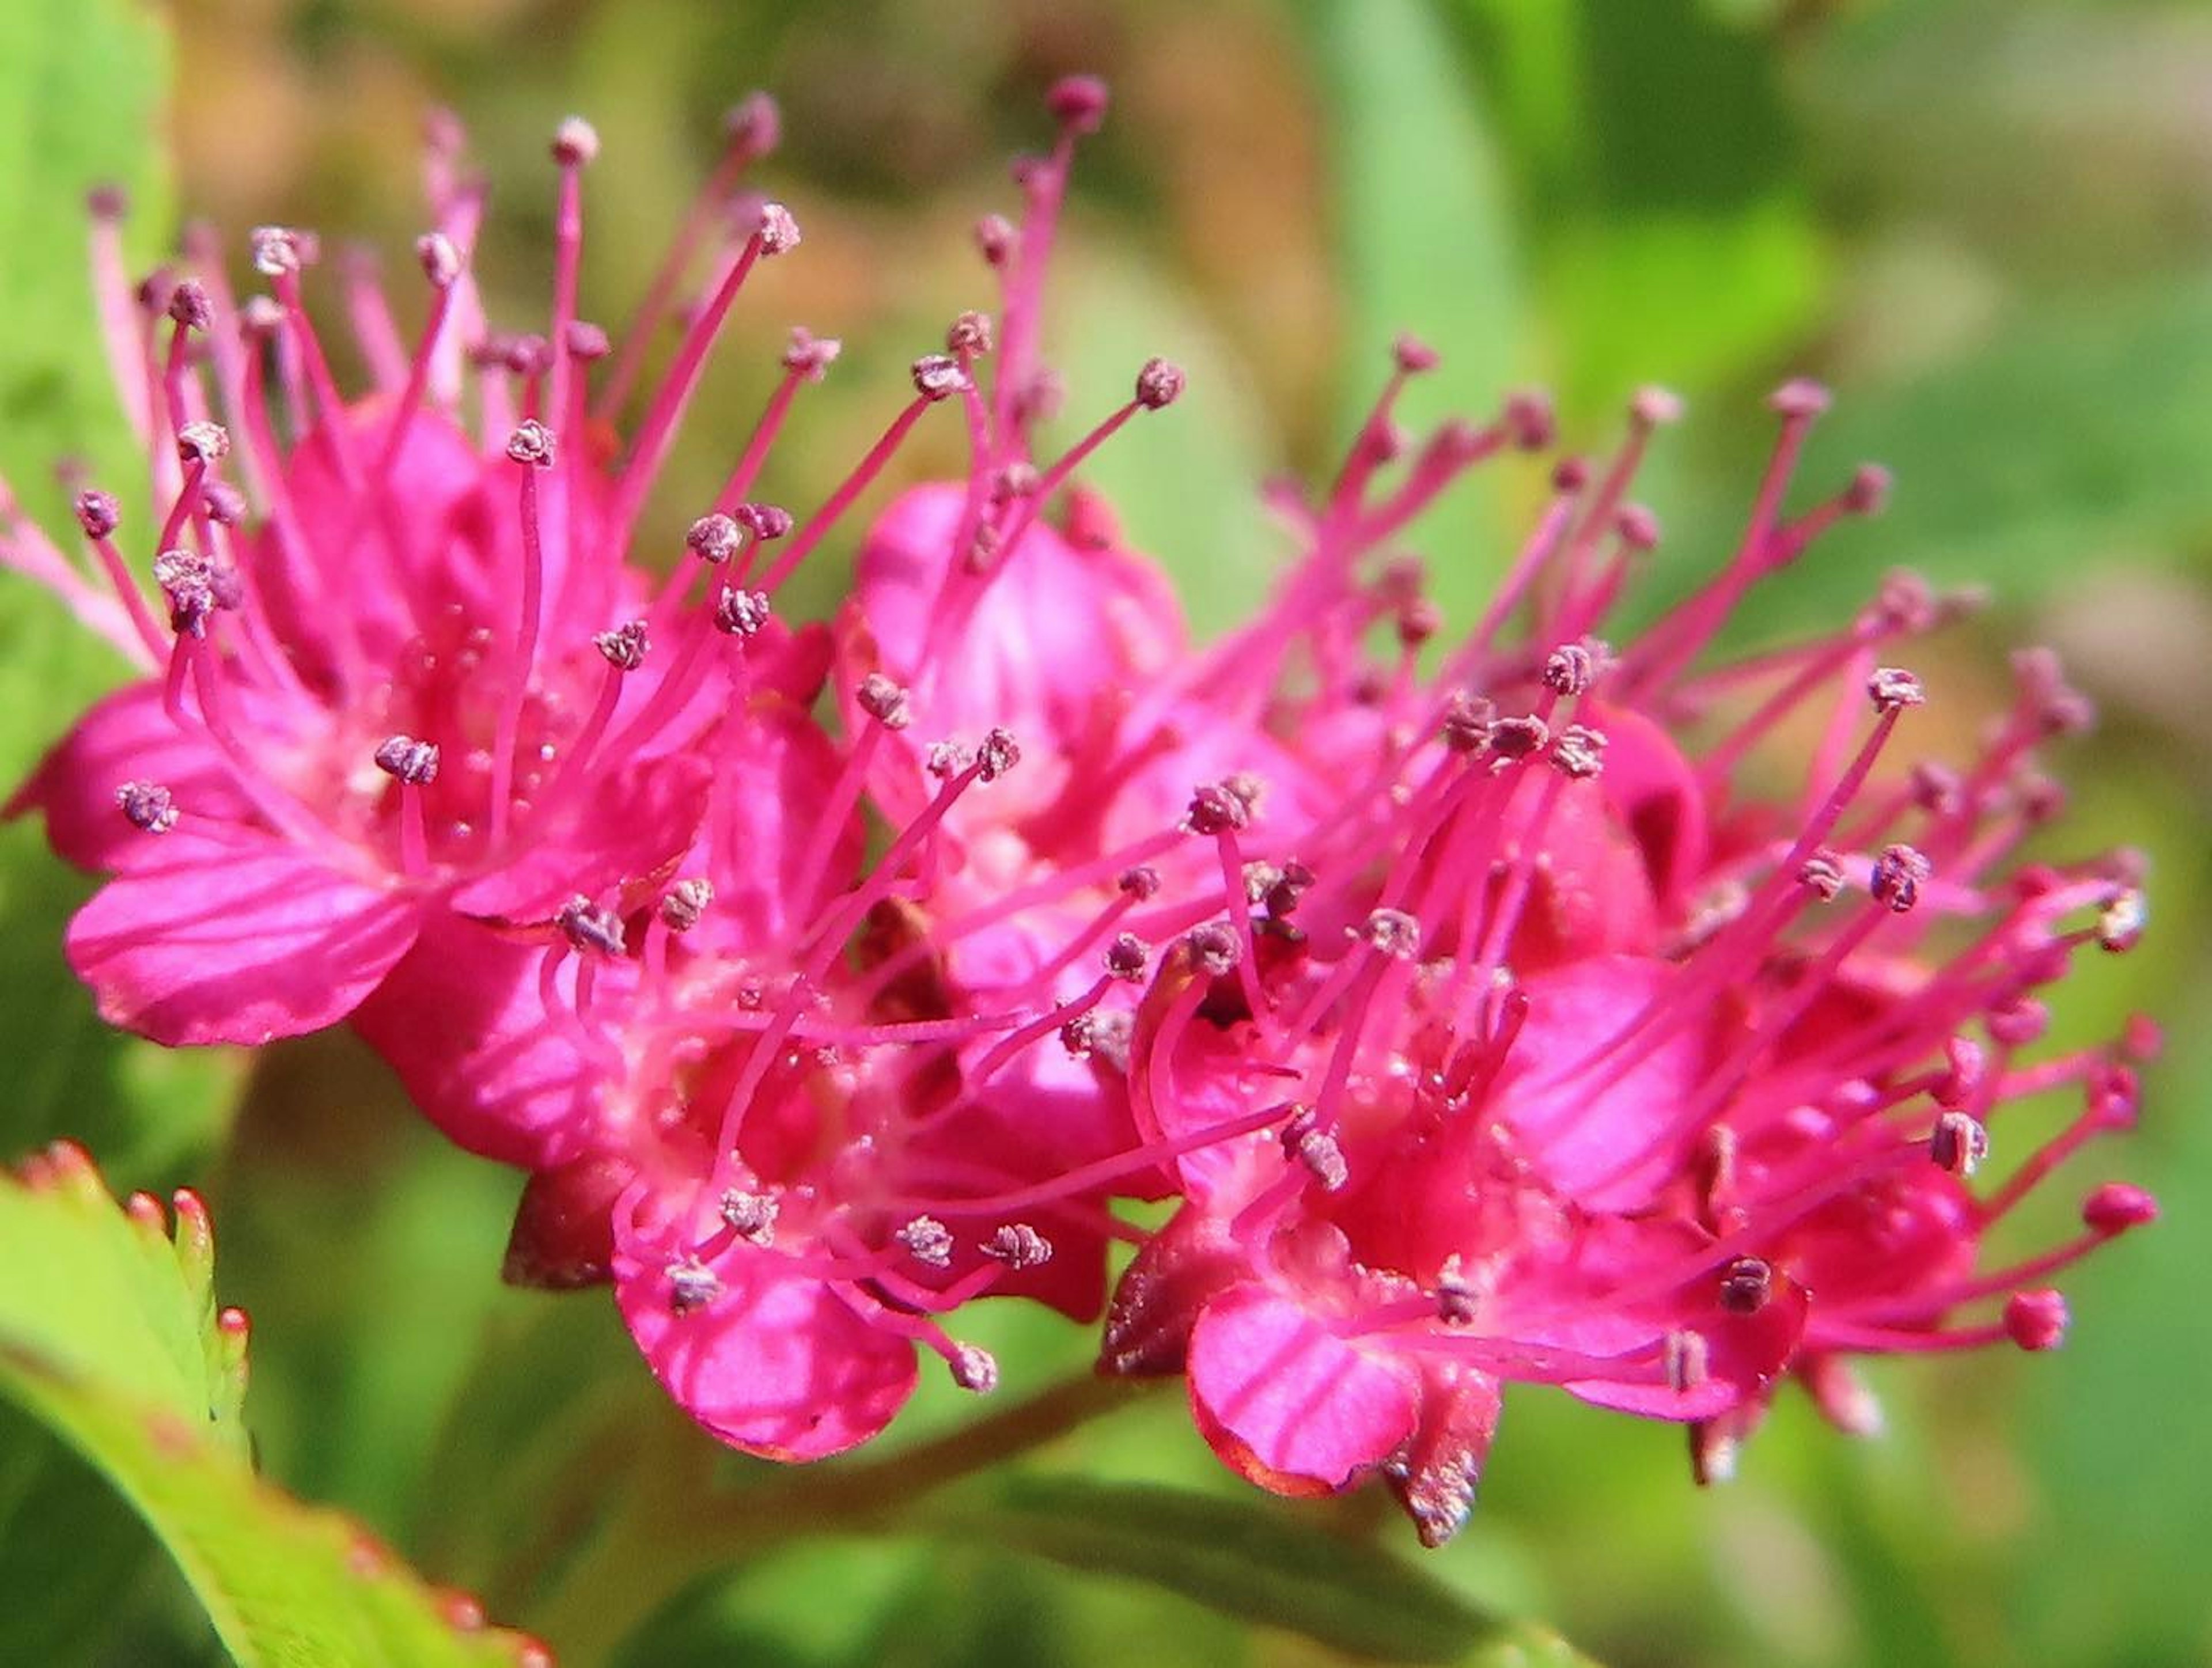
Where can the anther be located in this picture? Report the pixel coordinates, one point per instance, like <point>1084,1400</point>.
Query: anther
<point>927,1240</point>
<point>1519,737</point>
<point>1215,948</point>
<point>575,143</point>
<point>969,335</point>
<point>2120,922</point>
<point>259,317</point>
<point>1393,933</point>
<point>885,702</point>
<point>997,756</point>
<point>740,613</point>
<point>938,377</point>
<point>1412,355</point>
<point>1469,720</point>
<point>203,442</point>
<point>1801,396</point>
<point>277,251</point>
<point>1214,809</point>
<point>809,355</point>
<point>1569,669</point>
<point>1305,1143</point>
<point>1821,875</point>
<point>1529,419</point>
<point>2116,1207</point>
<point>406,760</point>
<point>1893,687</point>
<point>1292,883</point>
<point>974,1368</point>
<point>1868,491</point>
<point>1905,603</point>
<point>1419,620</point>
<point>1655,407</point>
<point>995,239</point>
<point>531,445</point>
<point>1579,753</point>
<point>440,260</point>
<point>624,646</point>
<point>1018,1246</point>
<point>713,539</point>
<point>945,760</point>
<point>1637,526</point>
<point>1898,873</point>
<point>1160,384</point>
<point>751,1216</point>
<point>98,513</point>
<point>588,927</point>
<point>765,522</point>
<point>1746,1284</point>
<point>1127,957</point>
<point>779,231</point>
<point>685,902</point>
<point>1958,1144</point>
<point>148,807</point>
<point>1140,883</point>
<point>189,307</point>
<point>188,585</point>
<point>1078,103</point>
<point>692,1286</point>
<point>1078,1036</point>
<point>107,203</point>
<point>2036,1320</point>
<point>753,125</point>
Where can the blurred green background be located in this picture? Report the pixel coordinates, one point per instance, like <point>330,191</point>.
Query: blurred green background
<point>1987,223</point>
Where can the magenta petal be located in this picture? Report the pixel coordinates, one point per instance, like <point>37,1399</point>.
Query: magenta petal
<point>631,825</point>
<point>240,941</point>
<point>1286,1401</point>
<point>461,1020</point>
<point>774,1364</point>
<point>1579,1130</point>
<point>126,738</point>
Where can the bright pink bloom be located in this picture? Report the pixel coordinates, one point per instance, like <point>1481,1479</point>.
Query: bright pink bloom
<point>1583,1065</point>
<point>394,673</point>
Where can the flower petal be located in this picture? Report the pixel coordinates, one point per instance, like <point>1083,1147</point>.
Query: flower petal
<point>776,1364</point>
<point>235,940</point>
<point>1286,1401</point>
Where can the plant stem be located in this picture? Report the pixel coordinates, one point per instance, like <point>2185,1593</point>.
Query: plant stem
<point>672,1527</point>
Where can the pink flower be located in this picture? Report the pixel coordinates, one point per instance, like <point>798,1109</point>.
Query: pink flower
<point>1578,1061</point>
<point>394,672</point>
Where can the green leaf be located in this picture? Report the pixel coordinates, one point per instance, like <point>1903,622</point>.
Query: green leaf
<point>82,91</point>
<point>109,1335</point>
<point>1241,1556</point>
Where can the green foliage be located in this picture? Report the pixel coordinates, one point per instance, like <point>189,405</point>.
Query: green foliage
<point>1245,1557</point>
<point>109,1336</point>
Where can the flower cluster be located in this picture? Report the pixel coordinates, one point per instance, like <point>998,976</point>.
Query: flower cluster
<point>1487,1004</point>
